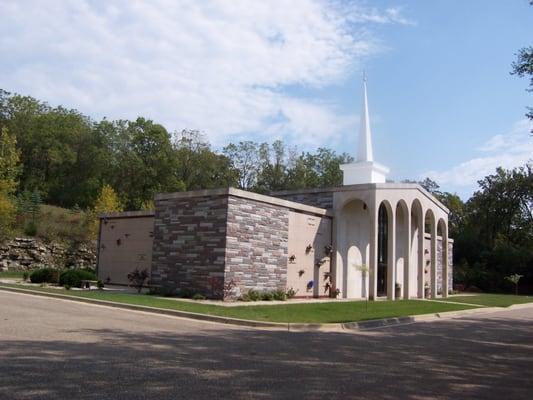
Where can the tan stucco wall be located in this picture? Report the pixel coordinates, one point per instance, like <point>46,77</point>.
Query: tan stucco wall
<point>305,230</point>
<point>125,243</point>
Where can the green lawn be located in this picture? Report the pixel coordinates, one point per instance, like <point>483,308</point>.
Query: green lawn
<point>11,274</point>
<point>492,300</point>
<point>294,313</point>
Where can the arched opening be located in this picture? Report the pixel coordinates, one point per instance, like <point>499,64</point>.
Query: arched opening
<point>353,250</point>
<point>402,262</point>
<point>417,249</point>
<point>430,255</point>
<point>384,249</point>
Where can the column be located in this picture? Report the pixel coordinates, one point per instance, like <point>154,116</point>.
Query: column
<point>434,259</point>
<point>391,257</point>
<point>420,256</point>
<point>373,264</point>
<point>445,255</point>
<point>407,257</point>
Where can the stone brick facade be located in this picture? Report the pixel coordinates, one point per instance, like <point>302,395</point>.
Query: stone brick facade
<point>256,245</point>
<point>322,198</point>
<point>204,242</point>
<point>189,241</point>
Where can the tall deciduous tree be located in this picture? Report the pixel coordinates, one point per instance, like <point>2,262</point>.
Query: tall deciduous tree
<point>9,171</point>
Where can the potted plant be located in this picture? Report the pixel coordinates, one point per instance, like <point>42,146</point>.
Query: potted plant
<point>397,290</point>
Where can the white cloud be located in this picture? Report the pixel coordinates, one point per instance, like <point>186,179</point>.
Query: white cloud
<point>219,66</point>
<point>508,150</point>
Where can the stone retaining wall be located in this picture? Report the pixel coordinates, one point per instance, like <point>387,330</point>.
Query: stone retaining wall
<point>30,253</point>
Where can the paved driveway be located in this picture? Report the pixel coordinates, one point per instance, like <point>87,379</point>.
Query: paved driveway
<point>54,349</point>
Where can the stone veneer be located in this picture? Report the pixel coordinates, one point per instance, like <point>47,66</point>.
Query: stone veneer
<point>189,241</point>
<point>256,245</point>
<point>208,238</point>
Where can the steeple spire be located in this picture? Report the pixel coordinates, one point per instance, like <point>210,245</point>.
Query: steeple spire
<point>364,170</point>
<point>364,150</point>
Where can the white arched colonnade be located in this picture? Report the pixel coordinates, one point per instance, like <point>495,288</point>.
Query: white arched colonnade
<point>379,236</point>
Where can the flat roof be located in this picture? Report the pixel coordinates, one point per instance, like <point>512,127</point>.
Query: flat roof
<point>367,186</point>
<point>127,214</point>
<point>246,195</point>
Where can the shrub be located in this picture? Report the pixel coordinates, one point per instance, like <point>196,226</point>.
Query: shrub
<point>185,293</point>
<point>100,284</point>
<point>67,287</point>
<point>279,295</point>
<point>252,295</point>
<point>198,296</point>
<point>267,296</point>
<point>165,291</point>
<point>42,275</point>
<point>25,276</point>
<point>73,277</point>
<point>290,293</point>
<point>137,278</point>
<point>30,228</point>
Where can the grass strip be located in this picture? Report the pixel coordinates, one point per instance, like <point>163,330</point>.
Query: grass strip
<point>330,312</point>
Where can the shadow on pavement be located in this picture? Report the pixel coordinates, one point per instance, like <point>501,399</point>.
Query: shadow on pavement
<point>467,358</point>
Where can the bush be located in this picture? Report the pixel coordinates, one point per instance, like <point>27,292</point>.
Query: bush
<point>185,293</point>
<point>43,275</point>
<point>100,284</point>
<point>252,295</point>
<point>30,228</point>
<point>73,277</point>
<point>25,276</point>
<point>137,278</point>
<point>165,291</point>
<point>198,296</point>
<point>279,295</point>
<point>67,287</point>
<point>290,293</point>
<point>267,296</point>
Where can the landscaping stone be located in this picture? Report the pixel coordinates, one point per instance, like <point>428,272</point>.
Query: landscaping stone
<point>31,253</point>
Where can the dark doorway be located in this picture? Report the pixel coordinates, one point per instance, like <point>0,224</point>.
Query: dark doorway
<point>383,233</point>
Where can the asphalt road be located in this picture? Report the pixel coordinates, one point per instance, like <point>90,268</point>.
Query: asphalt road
<point>55,349</point>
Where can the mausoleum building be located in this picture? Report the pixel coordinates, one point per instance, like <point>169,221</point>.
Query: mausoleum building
<point>368,238</point>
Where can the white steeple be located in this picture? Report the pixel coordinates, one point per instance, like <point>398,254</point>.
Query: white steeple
<point>364,150</point>
<point>364,169</point>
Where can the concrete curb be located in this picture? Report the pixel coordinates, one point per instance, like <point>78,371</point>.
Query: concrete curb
<point>295,327</point>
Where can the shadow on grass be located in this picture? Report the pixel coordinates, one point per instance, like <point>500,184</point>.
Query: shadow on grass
<point>467,358</point>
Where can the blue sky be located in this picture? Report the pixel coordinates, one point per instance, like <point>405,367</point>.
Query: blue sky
<point>442,101</point>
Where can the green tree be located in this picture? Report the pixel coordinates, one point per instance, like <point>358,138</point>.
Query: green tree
<point>198,167</point>
<point>9,172</point>
<point>523,67</point>
<point>244,158</point>
<point>496,234</point>
<point>145,162</point>
<point>107,202</point>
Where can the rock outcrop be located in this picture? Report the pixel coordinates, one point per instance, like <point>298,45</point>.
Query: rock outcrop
<point>30,253</point>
